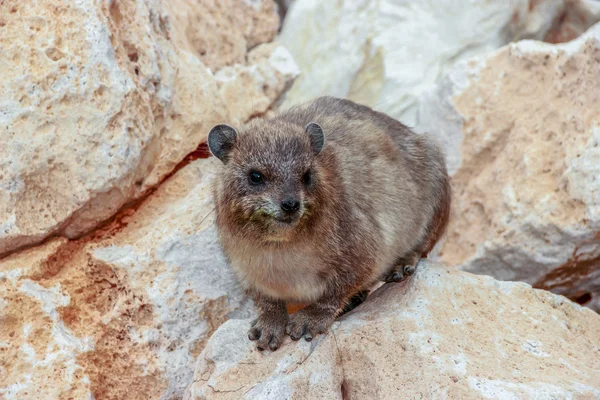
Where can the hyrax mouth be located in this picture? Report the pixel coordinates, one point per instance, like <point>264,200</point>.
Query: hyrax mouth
<point>288,219</point>
<point>277,220</point>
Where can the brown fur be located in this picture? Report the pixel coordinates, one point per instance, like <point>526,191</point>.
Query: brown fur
<point>379,195</point>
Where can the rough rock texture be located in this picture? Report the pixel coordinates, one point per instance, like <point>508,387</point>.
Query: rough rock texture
<point>522,127</point>
<point>122,313</point>
<point>386,53</point>
<point>442,334</point>
<point>221,32</point>
<point>99,100</point>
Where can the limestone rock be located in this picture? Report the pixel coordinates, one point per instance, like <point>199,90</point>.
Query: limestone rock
<point>221,32</point>
<point>442,334</point>
<point>230,368</point>
<point>522,128</point>
<point>122,313</point>
<point>386,53</point>
<point>99,101</point>
<point>250,89</point>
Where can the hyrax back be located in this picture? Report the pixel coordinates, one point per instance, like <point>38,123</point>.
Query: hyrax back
<point>319,203</point>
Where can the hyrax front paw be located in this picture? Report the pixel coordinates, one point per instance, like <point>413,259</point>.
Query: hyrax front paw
<point>309,322</point>
<point>268,332</point>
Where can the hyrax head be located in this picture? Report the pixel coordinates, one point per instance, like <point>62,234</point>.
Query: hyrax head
<point>270,182</point>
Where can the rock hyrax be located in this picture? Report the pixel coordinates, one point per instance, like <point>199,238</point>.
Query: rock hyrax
<point>321,202</point>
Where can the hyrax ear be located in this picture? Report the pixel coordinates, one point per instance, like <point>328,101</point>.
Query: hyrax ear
<point>221,139</point>
<point>317,139</point>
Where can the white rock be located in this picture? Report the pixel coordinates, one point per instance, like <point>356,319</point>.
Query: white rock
<point>122,313</point>
<point>522,131</point>
<point>386,53</point>
<point>99,101</point>
<point>443,334</point>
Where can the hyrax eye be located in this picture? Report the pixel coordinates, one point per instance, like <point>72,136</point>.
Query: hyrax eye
<point>256,177</point>
<point>307,178</point>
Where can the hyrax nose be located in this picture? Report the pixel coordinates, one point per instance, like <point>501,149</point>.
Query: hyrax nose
<point>290,205</point>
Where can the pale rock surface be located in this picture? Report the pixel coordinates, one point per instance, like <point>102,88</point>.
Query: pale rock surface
<point>250,89</point>
<point>522,129</point>
<point>386,53</point>
<point>443,334</point>
<point>122,313</point>
<point>99,101</point>
<point>221,32</point>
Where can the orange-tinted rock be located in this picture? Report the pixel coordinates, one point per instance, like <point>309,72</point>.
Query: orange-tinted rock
<point>123,312</point>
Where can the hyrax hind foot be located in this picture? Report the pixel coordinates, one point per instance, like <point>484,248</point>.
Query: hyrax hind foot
<point>400,272</point>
